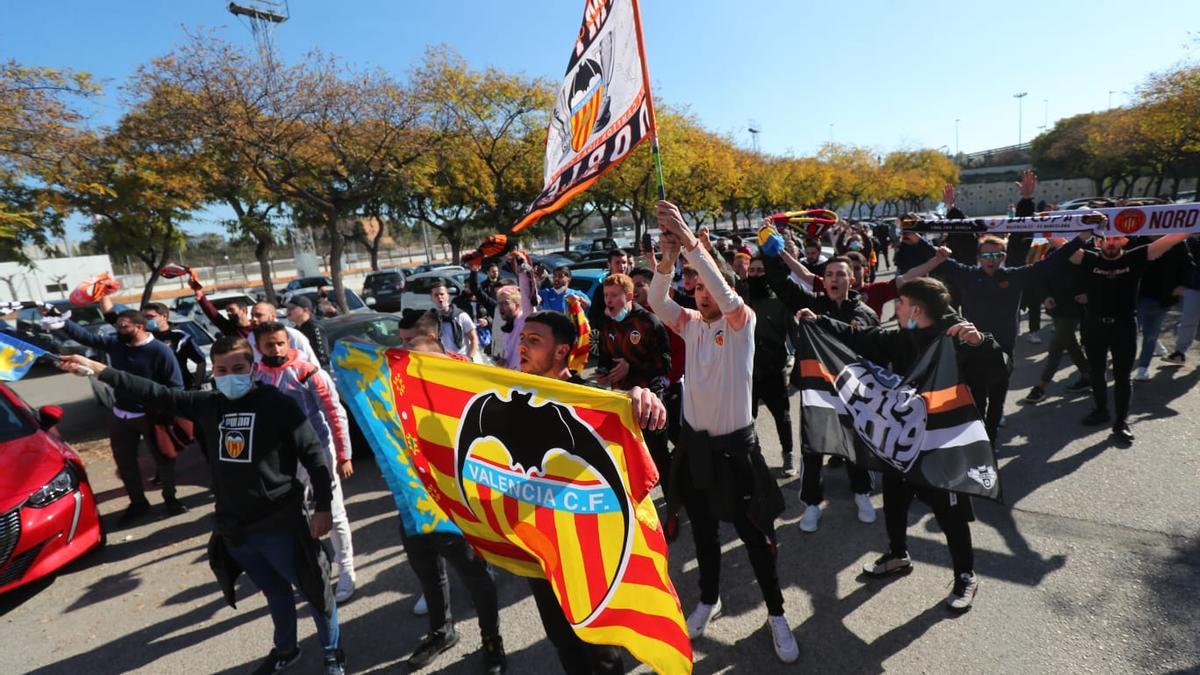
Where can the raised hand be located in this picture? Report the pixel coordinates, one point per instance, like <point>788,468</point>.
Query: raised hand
<point>1027,184</point>
<point>949,196</point>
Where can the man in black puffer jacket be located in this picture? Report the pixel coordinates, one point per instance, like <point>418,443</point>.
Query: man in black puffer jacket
<point>843,304</point>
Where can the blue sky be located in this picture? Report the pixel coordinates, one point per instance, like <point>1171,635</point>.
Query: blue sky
<point>884,74</point>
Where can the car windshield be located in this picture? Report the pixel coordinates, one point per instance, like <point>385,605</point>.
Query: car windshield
<point>198,334</point>
<point>12,423</point>
<point>352,300</point>
<point>86,316</point>
<point>383,331</point>
<point>382,279</point>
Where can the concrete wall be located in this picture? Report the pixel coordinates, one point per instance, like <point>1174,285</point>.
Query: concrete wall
<point>993,198</point>
<point>42,281</point>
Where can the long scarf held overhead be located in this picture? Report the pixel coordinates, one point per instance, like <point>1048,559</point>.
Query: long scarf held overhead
<point>1123,221</point>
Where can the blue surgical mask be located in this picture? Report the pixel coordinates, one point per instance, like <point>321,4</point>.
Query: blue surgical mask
<point>911,324</point>
<point>234,386</point>
<point>621,314</point>
<point>152,325</point>
<point>855,246</point>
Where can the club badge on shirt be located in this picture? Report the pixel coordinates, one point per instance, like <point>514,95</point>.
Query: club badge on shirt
<point>236,431</point>
<point>635,337</point>
<point>719,338</point>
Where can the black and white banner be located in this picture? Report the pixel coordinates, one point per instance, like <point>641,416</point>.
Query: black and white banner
<point>922,424</point>
<point>1129,221</point>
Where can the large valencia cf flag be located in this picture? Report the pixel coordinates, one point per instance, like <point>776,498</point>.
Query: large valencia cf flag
<point>544,478</point>
<point>922,424</point>
<point>602,109</point>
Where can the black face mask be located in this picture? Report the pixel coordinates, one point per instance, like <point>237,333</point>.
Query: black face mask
<point>126,338</point>
<point>274,361</point>
<point>758,287</point>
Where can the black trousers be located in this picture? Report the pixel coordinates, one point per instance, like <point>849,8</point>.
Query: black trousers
<point>707,537</point>
<point>989,399</point>
<point>576,656</point>
<point>660,452</point>
<point>770,387</point>
<point>674,404</point>
<point>1064,339</point>
<point>428,555</point>
<point>952,511</point>
<point>125,436</point>
<point>812,488</point>
<point>1118,338</point>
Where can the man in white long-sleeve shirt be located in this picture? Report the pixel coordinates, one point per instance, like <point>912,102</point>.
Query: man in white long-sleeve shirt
<point>718,472</point>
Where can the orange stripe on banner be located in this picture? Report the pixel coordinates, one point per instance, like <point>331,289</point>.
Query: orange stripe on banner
<point>814,368</point>
<point>588,533</point>
<point>432,396</point>
<point>950,398</point>
<point>544,521</point>
<point>489,511</point>
<point>654,627</point>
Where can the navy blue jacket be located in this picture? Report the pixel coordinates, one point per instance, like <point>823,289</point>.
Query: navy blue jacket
<point>992,302</point>
<point>154,361</point>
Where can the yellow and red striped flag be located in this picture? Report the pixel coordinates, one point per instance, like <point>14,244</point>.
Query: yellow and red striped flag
<point>583,343</point>
<point>546,479</point>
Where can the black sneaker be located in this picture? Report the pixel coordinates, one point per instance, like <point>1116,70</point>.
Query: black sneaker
<point>335,662</point>
<point>1176,358</point>
<point>277,661</point>
<point>431,646</point>
<point>1081,383</point>
<point>134,513</point>
<point>1035,395</point>
<point>494,661</point>
<point>1097,417</point>
<point>175,507</point>
<point>963,593</point>
<point>888,564</point>
<point>1121,432</point>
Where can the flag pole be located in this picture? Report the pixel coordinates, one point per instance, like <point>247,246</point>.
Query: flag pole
<point>641,43</point>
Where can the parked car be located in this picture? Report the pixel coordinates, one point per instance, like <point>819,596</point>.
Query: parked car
<point>1186,197</point>
<point>586,281</point>
<point>307,282</point>
<point>429,267</point>
<point>383,290</point>
<point>418,286</point>
<point>353,301</point>
<point>48,514</point>
<point>552,260</point>
<point>374,327</point>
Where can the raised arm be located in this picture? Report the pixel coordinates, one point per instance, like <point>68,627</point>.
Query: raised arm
<point>1160,246</point>
<point>796,267</point>
<point>942,255</point>
<point>791,295</point>
<point>728,301</point>
<point>156,397</point>
<point>661,303</point>
<point>86,337</point>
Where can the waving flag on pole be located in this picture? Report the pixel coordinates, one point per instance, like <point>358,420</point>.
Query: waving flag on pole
<point>544,478</point>
<point>922,424</point>
<point>603,108</point>
<point>16,357</point>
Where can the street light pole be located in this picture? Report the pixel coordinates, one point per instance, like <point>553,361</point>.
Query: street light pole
<point>1019,96</point>
<point>956,121</point>
<point>1110,93</point>
<point>831,132</point>
<point>1046,113</point>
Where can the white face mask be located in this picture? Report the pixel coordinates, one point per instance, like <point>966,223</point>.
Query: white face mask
<point>234,386</point>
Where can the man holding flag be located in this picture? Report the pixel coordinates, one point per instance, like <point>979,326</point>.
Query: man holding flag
<point>923,311</point>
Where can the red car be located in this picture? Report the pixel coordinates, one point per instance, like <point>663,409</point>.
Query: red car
<point>48,513</point>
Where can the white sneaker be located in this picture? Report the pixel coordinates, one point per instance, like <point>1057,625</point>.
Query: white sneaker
<point>698,620</point>
<point>1033,338</point>
<point>966,585</point>
<point>1160,350</point>
<point>866,510</point>
<point>785,643</point>
<point>1142,375</point>
<point>345,587</point>
<point>421,608</point>
<point>810,519</point>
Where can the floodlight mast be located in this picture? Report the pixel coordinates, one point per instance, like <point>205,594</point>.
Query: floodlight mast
<point>262,16</point>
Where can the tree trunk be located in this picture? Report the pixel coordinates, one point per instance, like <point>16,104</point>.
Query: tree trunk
<point>336,246</point>
<point>262,253</point>
<point>567,240</point>
<point>148,290</point>
<point>608,225</point>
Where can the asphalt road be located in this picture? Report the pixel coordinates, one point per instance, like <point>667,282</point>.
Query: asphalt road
<point>1093,566</point>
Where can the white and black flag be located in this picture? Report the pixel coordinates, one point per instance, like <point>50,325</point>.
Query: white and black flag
<point>922,424</point>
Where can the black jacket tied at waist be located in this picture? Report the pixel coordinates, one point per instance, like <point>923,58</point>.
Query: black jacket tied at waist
<point>730,470</point>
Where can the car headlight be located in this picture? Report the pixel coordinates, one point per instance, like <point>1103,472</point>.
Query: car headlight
<point>58,487</point>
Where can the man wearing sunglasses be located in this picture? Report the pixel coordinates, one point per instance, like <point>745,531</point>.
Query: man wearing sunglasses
<point>990,296</point>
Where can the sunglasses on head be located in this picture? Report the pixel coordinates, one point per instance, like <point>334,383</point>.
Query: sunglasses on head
<point>997,255</point>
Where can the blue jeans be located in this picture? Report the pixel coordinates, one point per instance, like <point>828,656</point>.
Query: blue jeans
<point>268,558</point>
<point>1151,313</point>
<point>1189,321</point>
